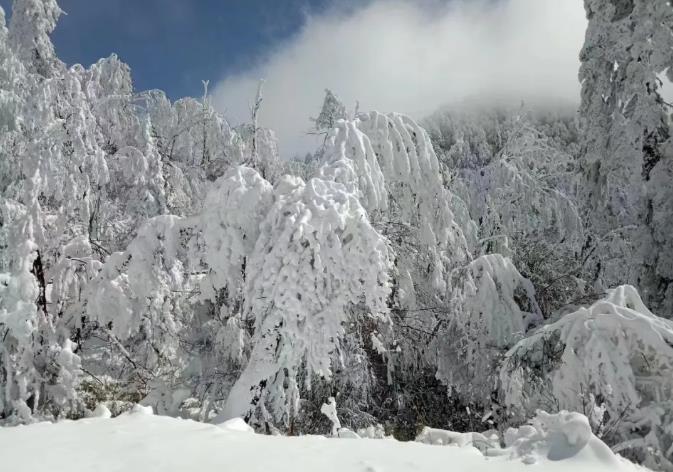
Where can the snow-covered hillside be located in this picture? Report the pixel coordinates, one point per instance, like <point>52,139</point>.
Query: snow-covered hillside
<point>139,442</point>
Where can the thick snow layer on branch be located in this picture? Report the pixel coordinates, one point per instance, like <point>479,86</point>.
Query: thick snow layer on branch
<point>140,442</point>
<point>317,256</point>
<point>497,296</point>
<point>229,225</point>
<point>32,23</point>
<point>411,172</point>
<point>350,160</point>
<point>390,159</point>
<point>134,289</point>
<point>494,307</point>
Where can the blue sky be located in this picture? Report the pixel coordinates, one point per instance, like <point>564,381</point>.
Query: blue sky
<point>174,44</point>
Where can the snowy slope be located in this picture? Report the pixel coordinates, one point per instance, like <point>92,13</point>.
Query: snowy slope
<point>142,442</point>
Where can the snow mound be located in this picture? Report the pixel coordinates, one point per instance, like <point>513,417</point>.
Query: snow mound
<point>101,411</point>
<point>141,410</point>
<point>140,442</point>
<point>557,437</point>
<point>236,424</point>
<point>548,438</point>
<point>441,437</point>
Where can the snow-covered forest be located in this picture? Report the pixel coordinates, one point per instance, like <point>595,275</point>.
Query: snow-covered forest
<point>461,272</point>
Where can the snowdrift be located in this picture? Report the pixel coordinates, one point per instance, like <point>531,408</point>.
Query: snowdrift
<point>140,441</point>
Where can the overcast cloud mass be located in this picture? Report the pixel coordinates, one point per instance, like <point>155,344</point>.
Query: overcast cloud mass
<point>413,57</point>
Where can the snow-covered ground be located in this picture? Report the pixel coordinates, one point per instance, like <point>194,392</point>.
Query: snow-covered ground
<point>140,441</point>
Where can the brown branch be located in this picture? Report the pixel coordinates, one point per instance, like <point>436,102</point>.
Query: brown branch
<point>38,272</point>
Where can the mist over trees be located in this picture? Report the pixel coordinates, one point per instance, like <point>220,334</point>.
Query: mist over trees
<point>462,272</point>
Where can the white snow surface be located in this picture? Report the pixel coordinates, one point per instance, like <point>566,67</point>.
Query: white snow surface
<point>140,441</point>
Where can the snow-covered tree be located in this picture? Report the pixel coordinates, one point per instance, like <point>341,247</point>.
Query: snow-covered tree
<point>493,309</point>
<point>229,228</point>
<point>12,73</point>
<point>395,168</point>
<point>518,183</point>
<point>29,29</point>
<point>134,293</point>
<point>316,260</point>
<point>438,295</point>
<point>612,361</point>
<point>628,156</point>
<point>37,365</point>
<point>266,156</point>
<point>223,242</point>
<point>332,111</point>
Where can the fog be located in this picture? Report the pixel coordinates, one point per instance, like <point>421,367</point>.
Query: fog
<point>412,57</point>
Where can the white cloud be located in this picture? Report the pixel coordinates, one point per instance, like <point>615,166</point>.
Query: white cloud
<point>413,57</point>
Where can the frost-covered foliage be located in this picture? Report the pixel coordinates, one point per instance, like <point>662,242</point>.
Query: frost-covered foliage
<point>612,361</point>
<point>417,198</point>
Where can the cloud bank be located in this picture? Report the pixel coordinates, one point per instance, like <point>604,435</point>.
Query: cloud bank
<point>412,57</point>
